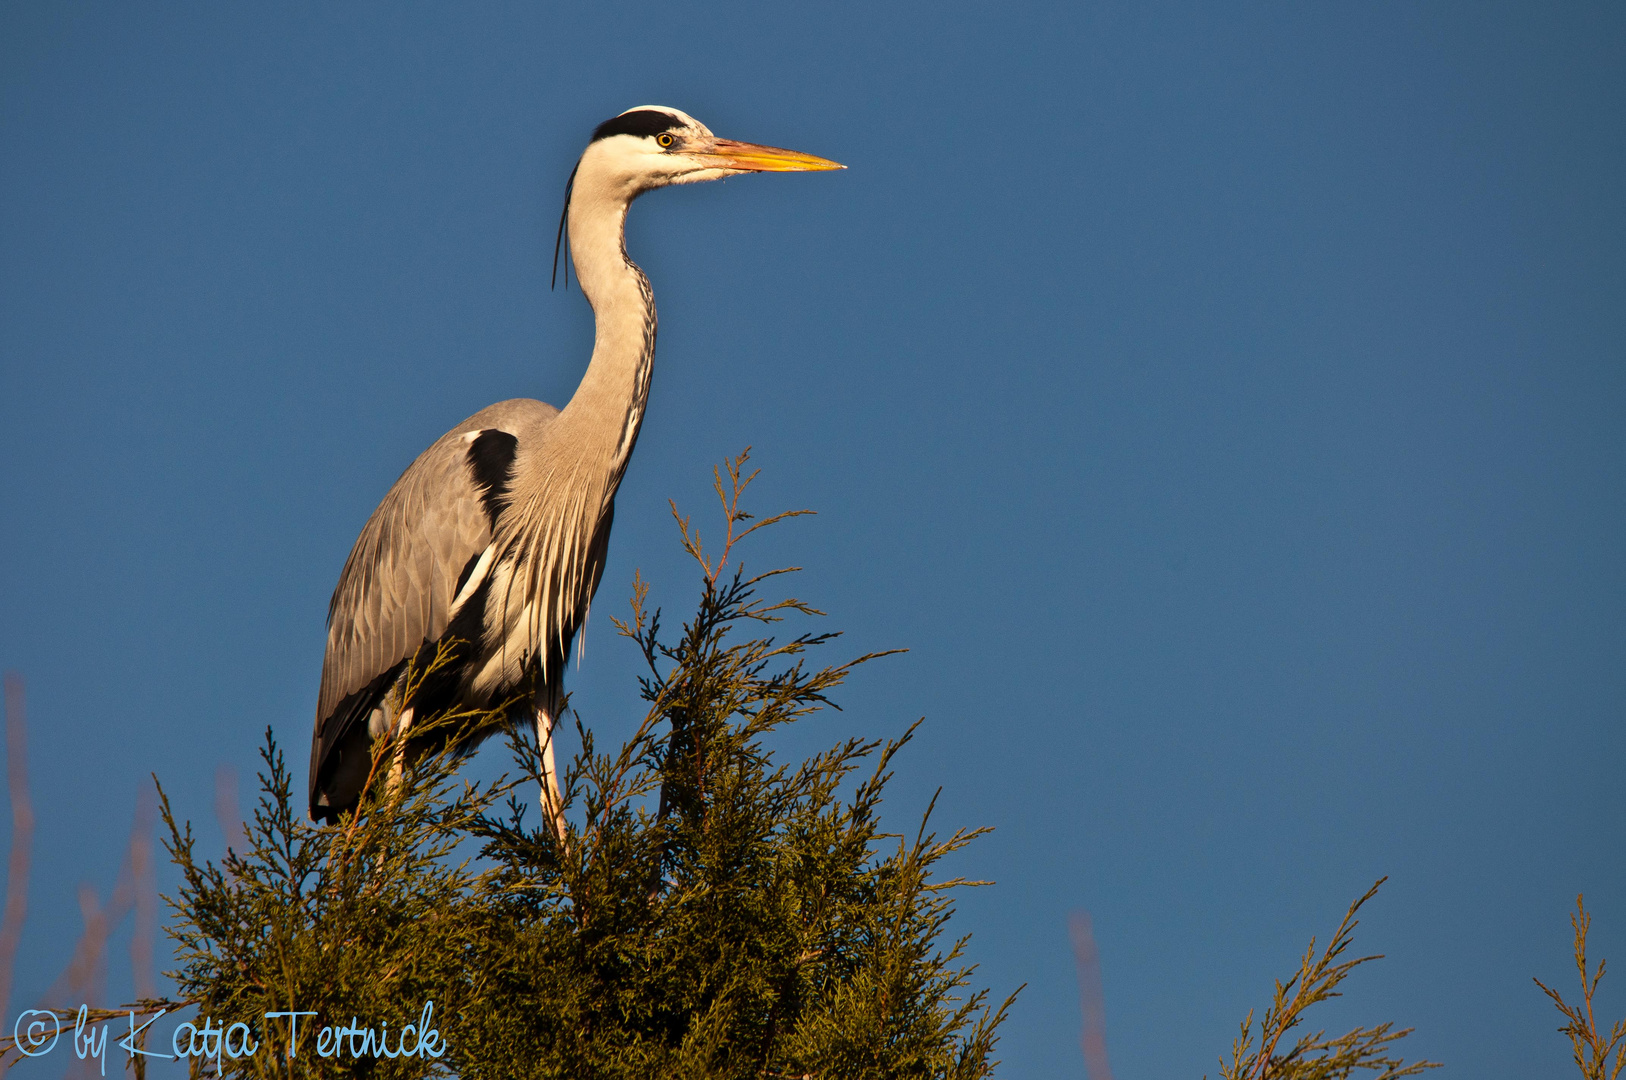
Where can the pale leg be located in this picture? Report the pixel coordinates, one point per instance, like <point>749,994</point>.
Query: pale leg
<point>398,764</point>
<point>552,804</point>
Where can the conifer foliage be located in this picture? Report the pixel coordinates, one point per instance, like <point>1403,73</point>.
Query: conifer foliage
<point>1314,1056</point>
<point>715,911</point>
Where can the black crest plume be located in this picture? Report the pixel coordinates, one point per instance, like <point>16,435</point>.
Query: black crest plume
<point>559,240</point>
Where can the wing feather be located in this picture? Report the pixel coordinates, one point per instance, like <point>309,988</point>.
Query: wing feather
<point>397,586</point>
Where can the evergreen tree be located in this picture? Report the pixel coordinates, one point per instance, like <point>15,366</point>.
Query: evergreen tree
<point>715,911</point>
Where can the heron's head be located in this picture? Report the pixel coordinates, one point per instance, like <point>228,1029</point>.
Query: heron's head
<point>653,146</point>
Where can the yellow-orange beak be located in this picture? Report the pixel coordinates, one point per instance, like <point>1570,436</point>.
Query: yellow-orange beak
<point>751,157</point>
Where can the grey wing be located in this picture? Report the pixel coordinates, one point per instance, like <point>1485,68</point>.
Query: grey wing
<point>397,586</point>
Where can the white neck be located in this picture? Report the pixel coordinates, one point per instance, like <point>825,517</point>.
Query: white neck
<point>607,409</point>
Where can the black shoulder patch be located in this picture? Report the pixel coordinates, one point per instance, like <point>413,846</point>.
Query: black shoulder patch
<point>637,122</point>
<point>491,458</point>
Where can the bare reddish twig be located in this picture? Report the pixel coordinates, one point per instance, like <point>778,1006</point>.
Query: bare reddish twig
<point>87,976</point>
<point>227,814</point>
<point>87,970</point>
<point>1091,998</point>
<point>22,834</point>
<point>136,887</point>
<point>144,881</point>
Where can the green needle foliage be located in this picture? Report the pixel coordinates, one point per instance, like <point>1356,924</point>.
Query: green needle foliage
<point>363,920</point>
<point>713,911</point>
<point>1314,1056</point>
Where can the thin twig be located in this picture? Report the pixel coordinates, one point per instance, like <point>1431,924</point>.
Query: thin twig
<point>144,880</point>
<point>22,834</point>
<point>86,969</point>
<point>1091,999</point>
<point>1591,1048</point>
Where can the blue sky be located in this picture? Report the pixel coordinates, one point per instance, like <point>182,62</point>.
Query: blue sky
<point>1224,405</point>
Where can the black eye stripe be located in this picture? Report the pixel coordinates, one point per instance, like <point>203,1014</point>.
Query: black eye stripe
<point>637,122</point>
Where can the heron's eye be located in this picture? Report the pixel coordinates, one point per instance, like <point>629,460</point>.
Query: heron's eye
<point>665,138</point>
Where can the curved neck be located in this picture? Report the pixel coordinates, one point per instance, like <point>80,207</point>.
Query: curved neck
<point>608,407</point>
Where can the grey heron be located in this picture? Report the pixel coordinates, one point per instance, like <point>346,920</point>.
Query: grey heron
<point>488,549</point>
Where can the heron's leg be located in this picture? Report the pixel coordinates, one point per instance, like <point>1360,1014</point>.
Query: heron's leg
<point>398,755</point>
<point>552,804</point>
